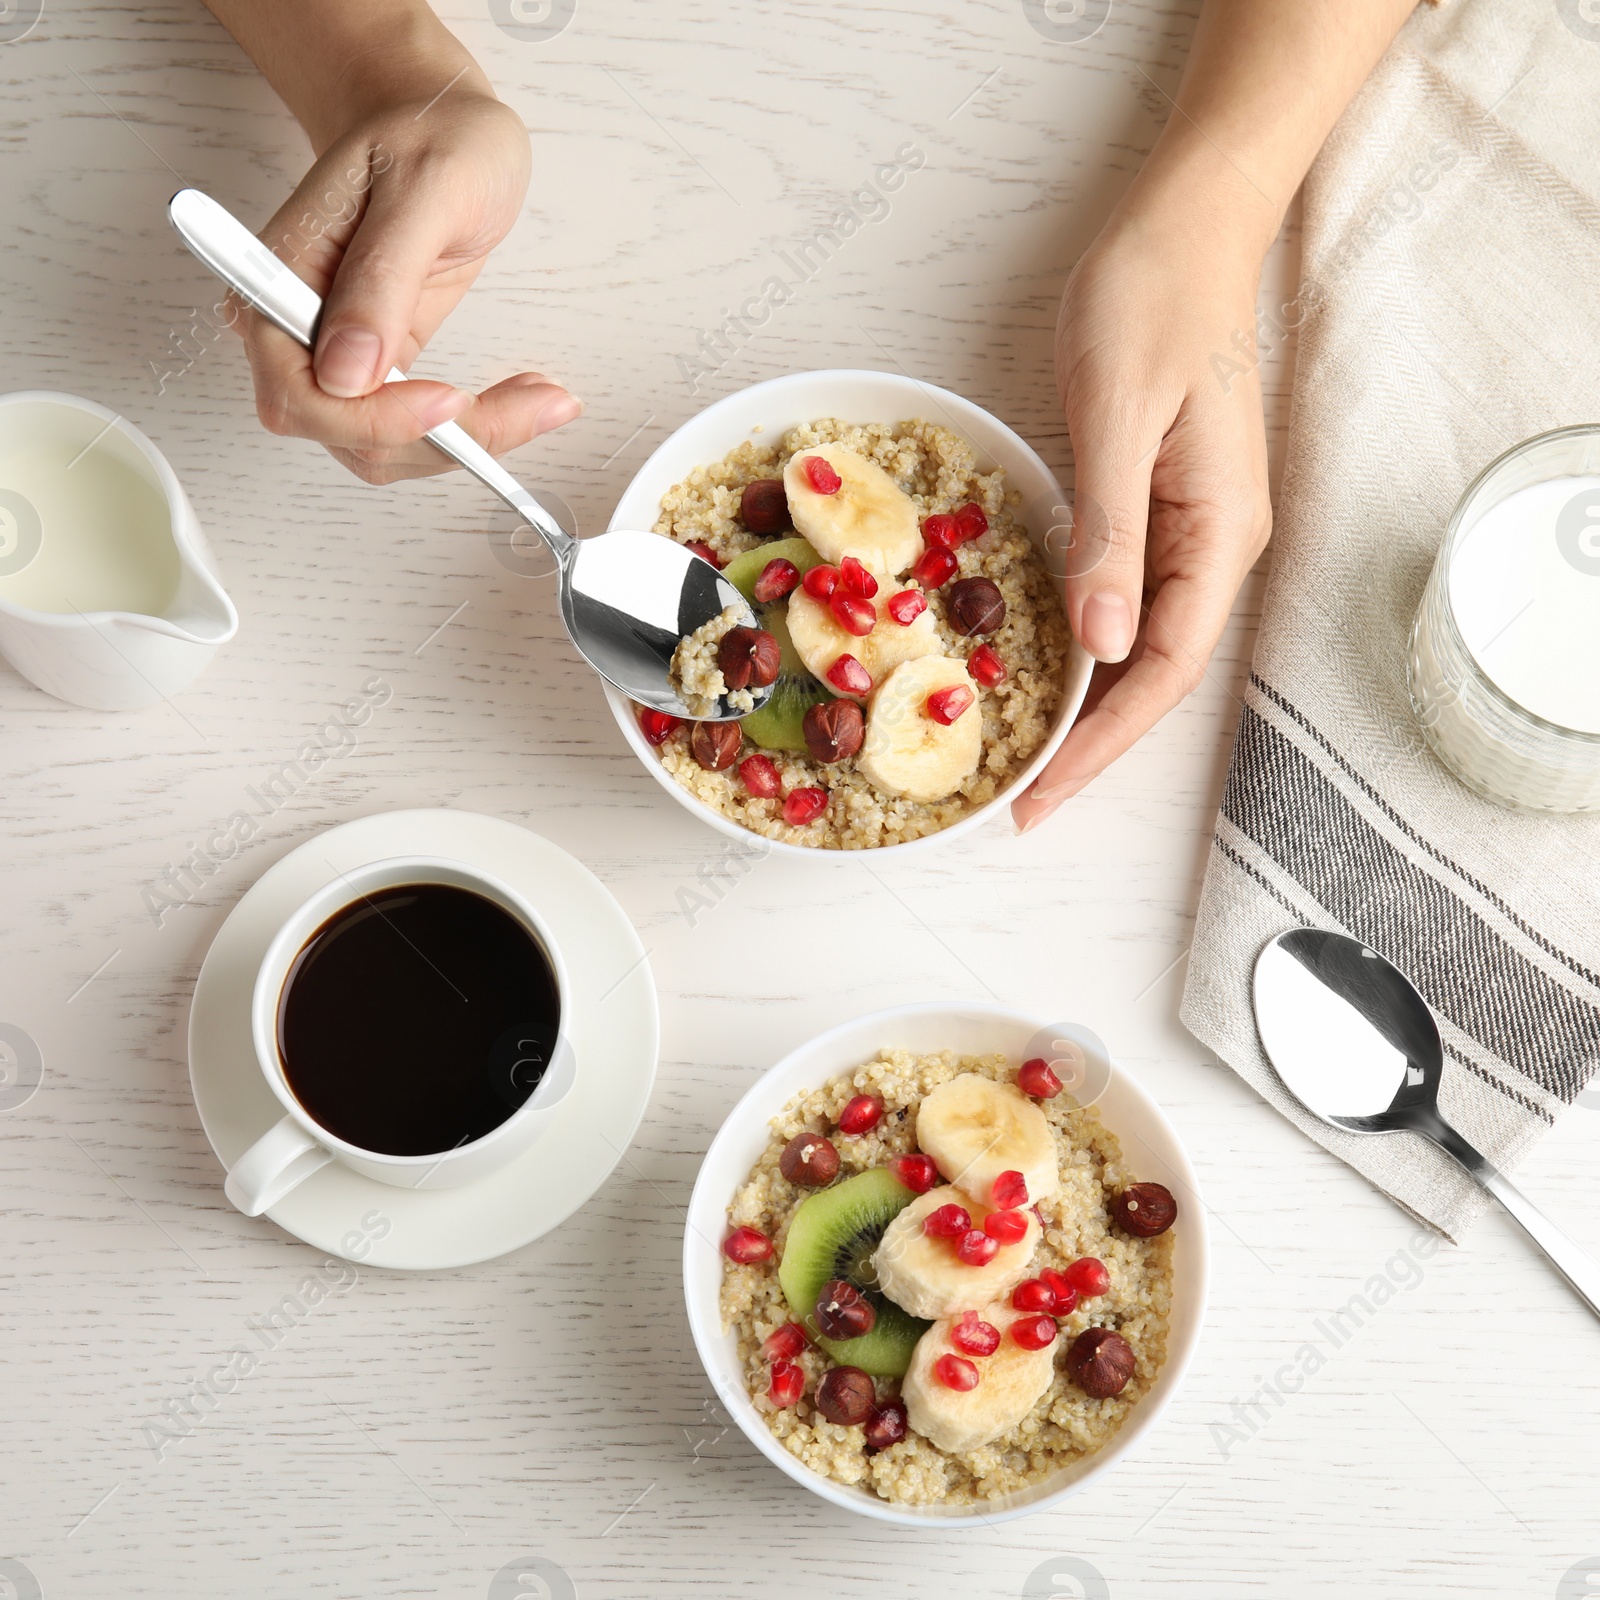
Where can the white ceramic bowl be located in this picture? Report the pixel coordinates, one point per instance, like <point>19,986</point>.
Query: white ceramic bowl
<point>783,403</point>
<point>1149,1145</point>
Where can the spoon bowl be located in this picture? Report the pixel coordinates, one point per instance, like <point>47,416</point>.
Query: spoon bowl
<point>628,599</point>
<point>1351,1039</point>
<point>1357,1046</point>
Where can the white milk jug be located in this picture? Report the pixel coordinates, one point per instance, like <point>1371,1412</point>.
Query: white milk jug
<point>108,592</point>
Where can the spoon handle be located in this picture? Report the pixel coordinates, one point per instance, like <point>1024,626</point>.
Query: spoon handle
<point>247,266</point>
<point>1576,1265</point>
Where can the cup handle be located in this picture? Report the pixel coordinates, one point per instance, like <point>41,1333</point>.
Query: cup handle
<point>281,1159</point>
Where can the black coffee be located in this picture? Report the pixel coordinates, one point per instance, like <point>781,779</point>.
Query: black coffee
<point>417,1019</point>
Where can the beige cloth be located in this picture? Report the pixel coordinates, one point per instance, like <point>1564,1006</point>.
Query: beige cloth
<point>1452,308</point>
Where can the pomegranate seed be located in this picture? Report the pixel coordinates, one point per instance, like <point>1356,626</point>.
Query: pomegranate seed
<point>820,475</point>
<point>971,1335</point>
<point>935,568</point>
<point>947,1222</point>
<point>886,1426</point>
<point>940,531</point>
<point>860,1113</point>
<point>986,666</point>
<point>820,582</point>
<point>852,613</point>
<point>977,1249</point>
<point>956,1372</point>
<point>1034,1333</point>
<point>848,676</point>
<point>1089,1277</point>
<point>1066,1295</point>
<point>917,1173</point>
<point>787,1384</point>
<point>1006,1226</point>
<point>1035,1078</point>
<point>804,805</point>
<point>971,523</point>
<point>1009,1190</point>
<point>1033,1294</point>
<point>705,552</point>
<point>745,1245</point>
<point>657,727</point>
<point>785,1343</point>
<point>855,577</point>
<point>760,777</point>
<point>945,705</point>
<point>776,580</point>
<point>907,606</point>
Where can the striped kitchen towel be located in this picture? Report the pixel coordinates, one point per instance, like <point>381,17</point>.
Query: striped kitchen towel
<point>1449,309</point>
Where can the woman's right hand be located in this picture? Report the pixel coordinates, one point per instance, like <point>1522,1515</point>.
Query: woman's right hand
<point>390,226</point>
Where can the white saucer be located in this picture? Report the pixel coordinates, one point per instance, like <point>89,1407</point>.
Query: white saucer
<point>614,1031</point>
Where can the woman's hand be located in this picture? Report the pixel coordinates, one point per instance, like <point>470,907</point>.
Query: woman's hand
<point>1156,324</point>
<point>390,226</point>
<point>1155,362</point>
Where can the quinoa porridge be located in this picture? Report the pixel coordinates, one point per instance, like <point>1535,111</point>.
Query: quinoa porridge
<point>1090,1222</point>
<point>995,630</point>
<point>694,672</point>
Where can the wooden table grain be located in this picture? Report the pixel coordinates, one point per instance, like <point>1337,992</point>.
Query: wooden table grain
<point>539,1424</point>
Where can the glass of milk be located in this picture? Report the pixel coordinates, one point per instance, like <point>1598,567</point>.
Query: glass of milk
<point>1504,665</point>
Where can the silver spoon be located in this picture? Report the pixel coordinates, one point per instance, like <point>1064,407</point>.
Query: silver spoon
<point>1358,1047</point>
<point>627,599</point>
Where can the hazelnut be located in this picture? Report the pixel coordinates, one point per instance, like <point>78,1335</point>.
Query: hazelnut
<point>834,730</point>
<point>748,656</point>
<point>846,1396</point>
<point>974,605</point>
<point>1100,1361</point>
<point>843,1312</point>
<point>810,1159</point>
<point>715,745</point>
<point>886,1426</point>
<point>1145,1209</point>
<point>764,506</point>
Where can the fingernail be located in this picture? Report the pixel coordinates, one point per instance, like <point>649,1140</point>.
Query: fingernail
<point>1107,626</point>
<point>1057,792</point>
<point>557,412</point>
<point>444,408</point>
<point>347,362</point>
<point>1034,821</point>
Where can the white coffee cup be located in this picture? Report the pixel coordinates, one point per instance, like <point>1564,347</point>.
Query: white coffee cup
<point>297,1145</point>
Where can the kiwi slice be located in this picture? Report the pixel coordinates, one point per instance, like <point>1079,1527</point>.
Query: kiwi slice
<point>743,570</point>
<point>779,724</point>
<point>833,1235</point>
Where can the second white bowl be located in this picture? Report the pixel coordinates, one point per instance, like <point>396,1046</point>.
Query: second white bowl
<point>783,403</point>
<point>1150,1146</point>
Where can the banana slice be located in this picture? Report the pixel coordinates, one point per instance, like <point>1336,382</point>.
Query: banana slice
<point>906,752</point>
<point>869,516</point>
<point>821,641</point>
<point>975,1129</point>
<point>1010,1383</point>
<point>927,1278</point>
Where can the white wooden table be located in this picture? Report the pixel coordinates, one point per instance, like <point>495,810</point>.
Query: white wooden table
<point>422,1432</point>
